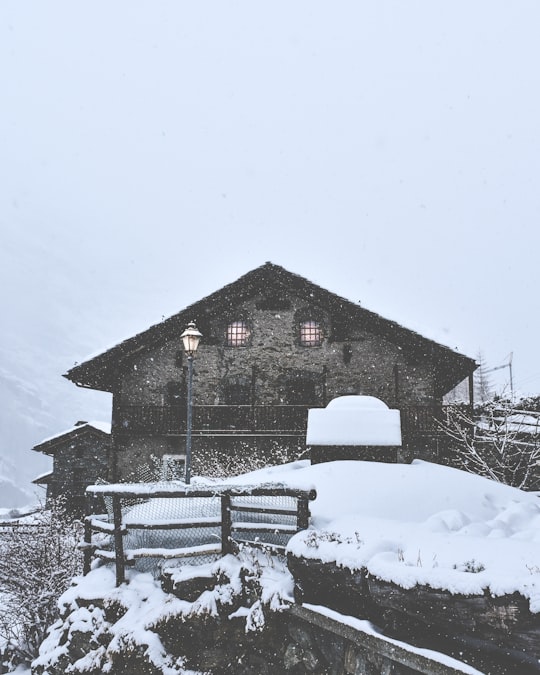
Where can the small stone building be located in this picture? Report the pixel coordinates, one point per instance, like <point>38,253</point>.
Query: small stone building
<point>274,345</point>
<point>80,457</point>
<point>354,427</point>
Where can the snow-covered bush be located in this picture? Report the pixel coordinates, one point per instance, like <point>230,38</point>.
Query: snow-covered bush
<point>140,629</point>
<point>212,464</point>
<point>38,559</point>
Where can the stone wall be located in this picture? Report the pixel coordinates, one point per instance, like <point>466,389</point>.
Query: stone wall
<point>296,641</point>
<point>78,462</point>
<point>363,363</point>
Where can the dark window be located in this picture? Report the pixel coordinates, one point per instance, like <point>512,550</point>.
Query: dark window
<point>238,334</point>
<point>310,334</point>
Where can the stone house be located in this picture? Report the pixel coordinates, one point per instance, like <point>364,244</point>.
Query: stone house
<point>80,457</point>
<point>274,345</point>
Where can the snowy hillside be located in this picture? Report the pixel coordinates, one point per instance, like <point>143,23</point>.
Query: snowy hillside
<point>35,403</point>
<point>12,493</point>
<point>46,331</point>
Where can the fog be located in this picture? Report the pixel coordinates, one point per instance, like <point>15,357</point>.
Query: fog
<point>152,152</point>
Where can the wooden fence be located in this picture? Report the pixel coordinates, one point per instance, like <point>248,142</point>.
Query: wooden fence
<point>230,524</point>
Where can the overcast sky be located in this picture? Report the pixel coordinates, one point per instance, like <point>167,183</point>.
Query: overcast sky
<point>151,152</point>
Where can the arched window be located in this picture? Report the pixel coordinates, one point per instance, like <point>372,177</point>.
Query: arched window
<point>238,334</point>
<point>310,334</point>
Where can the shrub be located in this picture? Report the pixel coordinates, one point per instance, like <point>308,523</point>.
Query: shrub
<point>38,559</point>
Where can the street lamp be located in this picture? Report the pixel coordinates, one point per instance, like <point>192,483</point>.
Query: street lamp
<point>191,338</point>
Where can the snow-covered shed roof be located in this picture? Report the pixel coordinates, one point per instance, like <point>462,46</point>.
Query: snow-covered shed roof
<point>99,371</point>
<point>101,430</point>
<point>354,421</point>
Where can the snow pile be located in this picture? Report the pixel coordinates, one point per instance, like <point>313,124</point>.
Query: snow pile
<point>420,523</point>
<point>101,624</point>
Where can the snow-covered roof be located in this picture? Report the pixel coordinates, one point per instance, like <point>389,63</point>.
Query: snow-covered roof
<point>43,478</point>
<point>98,371</point>
<point>80,427</point>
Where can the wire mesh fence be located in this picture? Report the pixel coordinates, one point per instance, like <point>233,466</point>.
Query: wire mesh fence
<point>146,524</point>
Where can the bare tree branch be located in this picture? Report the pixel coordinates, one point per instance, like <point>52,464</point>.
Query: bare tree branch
<point>500,442</point>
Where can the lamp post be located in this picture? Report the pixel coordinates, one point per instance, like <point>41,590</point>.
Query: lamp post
<point>191,338</point>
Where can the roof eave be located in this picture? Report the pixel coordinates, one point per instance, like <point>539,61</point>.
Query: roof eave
<point>100,372</point>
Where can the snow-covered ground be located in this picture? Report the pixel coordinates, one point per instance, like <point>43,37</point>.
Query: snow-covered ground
<point>419,523</point>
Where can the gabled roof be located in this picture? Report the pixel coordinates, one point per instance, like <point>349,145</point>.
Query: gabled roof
<point>99,372</point>
<point>101,430</point>
<point>43,478</point>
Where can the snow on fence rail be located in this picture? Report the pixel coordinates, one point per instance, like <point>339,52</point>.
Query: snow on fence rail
<point>228,515</point>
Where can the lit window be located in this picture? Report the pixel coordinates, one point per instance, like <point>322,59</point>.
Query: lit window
<point>238,334</point>
<point>310,334</point>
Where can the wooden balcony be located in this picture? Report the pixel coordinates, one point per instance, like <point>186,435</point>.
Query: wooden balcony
<point>212,419</point>
<point>420,419</point>
<point>263,420</point>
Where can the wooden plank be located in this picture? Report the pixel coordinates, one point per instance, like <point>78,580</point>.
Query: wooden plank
<point>225,524</point>
<point>169,553</point>
<point>150,491</point>
<point>118,541</point>
<point>105,555</point>
<point>100,526</point>
<point>264,527</point>
<point>87,558</point>
<point>302,522</point>
<point>97,516</point>
<point>182,524</point>
<point>264,509</point>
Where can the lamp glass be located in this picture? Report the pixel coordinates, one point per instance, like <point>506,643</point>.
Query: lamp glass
<point>191,338</point>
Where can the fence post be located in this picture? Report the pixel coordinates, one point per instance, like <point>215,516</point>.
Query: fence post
<point>226,522</point>
<point>88,534</point>
<point>118,541</point>
<point>302,519</point>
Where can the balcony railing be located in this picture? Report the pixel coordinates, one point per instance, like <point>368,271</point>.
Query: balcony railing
<point>421,419</point>
<point>211,419</point>
<point>247,419</point>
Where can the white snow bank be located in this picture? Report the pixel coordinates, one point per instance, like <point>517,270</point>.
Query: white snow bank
<point>420,523</point>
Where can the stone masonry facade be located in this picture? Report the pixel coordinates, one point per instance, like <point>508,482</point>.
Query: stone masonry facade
<point>254,359</point>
